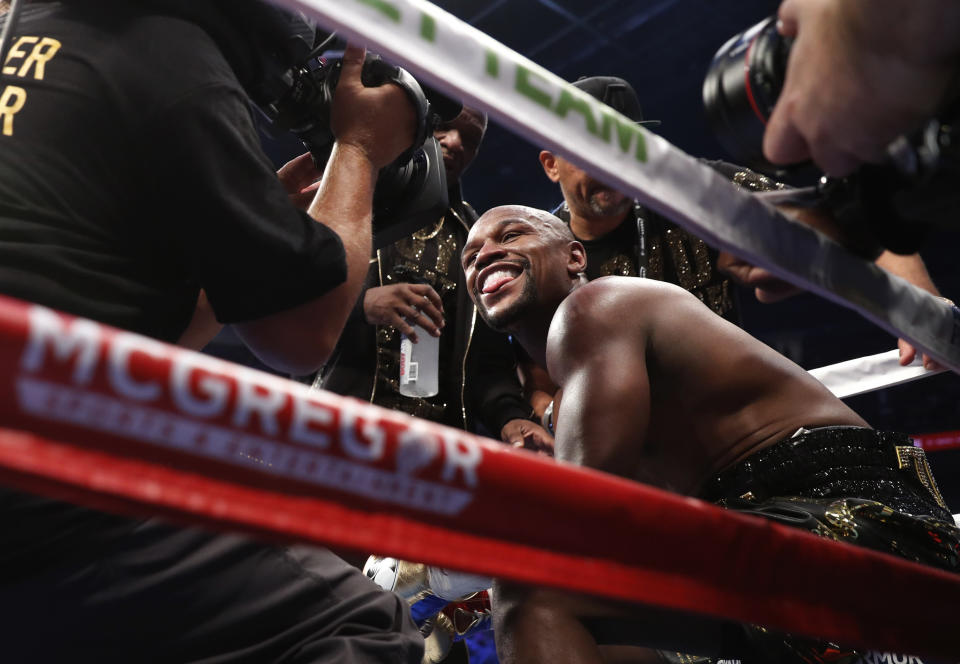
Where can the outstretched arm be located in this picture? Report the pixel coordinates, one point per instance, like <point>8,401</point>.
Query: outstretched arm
<point>768,288</point>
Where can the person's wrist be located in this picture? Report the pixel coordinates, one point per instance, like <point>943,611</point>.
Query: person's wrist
<point>540,400</point>
<point>921,36</point>
<point>363,306</point>
<point>547,419</point>
<point>930,37</point>
<point>356,153</point>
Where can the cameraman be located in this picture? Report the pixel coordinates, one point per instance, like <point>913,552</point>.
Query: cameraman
<point>860,73</point>
<point>131,177</point>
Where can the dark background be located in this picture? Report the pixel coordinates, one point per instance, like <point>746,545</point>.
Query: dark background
<point>663,48</point>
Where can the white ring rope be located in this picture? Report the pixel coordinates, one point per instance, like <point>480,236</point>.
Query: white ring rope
<point>462,61</point>
<point>870,373</point>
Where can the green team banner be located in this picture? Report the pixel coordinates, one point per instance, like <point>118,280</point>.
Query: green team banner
<point>451,55</point>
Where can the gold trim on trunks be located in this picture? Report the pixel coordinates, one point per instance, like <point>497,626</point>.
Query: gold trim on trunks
<point>913,458</point>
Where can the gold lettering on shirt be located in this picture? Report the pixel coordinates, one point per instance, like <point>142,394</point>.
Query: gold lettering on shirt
<point>19,62</point>
<point>15,53</point>
<point>41,54</point>
<point>12,100</point>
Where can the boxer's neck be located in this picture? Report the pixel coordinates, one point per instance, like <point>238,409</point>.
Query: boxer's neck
<point>533,330</point>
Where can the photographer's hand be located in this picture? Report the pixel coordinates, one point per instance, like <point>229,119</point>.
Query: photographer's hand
<point>861,72</point>
<point>400,305</point>
<point>380,122</point>
<point>769,288</point>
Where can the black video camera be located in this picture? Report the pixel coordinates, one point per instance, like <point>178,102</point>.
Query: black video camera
<point>275,55</point>
<point>892,205</point>
<point>412,191</point>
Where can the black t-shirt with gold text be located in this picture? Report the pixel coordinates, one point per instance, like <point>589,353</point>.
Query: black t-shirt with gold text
<point>131,176</point>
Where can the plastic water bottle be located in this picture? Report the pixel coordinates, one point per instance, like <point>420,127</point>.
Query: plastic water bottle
<point>419,364</point>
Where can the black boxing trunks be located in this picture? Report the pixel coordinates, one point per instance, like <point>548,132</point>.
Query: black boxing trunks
<point>870,488</point>
<point>831,463</point>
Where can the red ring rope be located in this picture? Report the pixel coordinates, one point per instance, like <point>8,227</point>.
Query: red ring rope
<point>157,429</point>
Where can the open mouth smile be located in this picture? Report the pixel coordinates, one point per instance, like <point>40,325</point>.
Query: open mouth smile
<point>496,276</point>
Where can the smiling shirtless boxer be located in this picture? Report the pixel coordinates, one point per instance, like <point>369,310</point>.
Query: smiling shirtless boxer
<point>657,388</point>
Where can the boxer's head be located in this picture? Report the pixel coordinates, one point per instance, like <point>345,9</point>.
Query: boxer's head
<point>520,262</point>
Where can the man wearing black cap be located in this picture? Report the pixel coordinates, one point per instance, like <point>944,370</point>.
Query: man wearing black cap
<point>624,239</point>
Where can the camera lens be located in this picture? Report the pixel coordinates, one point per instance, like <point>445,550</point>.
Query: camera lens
<point>741,87</point>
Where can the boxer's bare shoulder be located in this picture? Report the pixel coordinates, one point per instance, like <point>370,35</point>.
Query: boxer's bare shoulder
<point>616,309</point>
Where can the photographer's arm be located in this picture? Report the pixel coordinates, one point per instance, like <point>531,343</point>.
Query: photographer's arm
<point>769,288</point>
<point>373,126</point>
<point>911,267</point>
<point>299,340</point>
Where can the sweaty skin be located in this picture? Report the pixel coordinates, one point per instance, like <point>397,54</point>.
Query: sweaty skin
<point>655,387</point>
<point>677,394</point>
<point>672,395</point>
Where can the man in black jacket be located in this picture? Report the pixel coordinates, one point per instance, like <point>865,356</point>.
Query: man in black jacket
<point>417,280</point>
